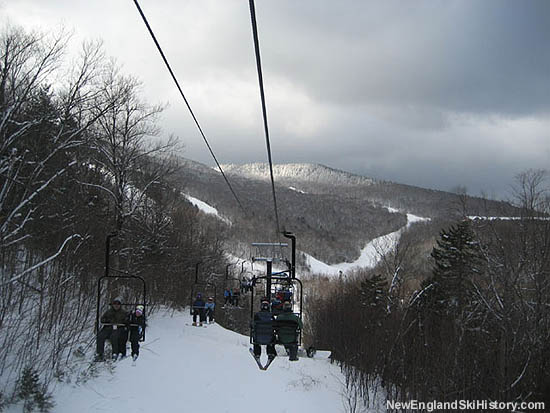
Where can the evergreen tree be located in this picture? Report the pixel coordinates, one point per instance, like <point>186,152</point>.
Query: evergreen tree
<point>459,253</point>
<point>374,291</point>
<point>28,385</point>
<point>458,261</point>
<point>43,402</point>
<point>32,393</point>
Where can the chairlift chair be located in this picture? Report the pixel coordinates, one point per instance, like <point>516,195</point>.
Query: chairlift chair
<point>287,279</point>
<point>128,279</point>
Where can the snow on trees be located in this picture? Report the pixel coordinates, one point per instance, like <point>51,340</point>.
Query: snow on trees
<point>77,160</point>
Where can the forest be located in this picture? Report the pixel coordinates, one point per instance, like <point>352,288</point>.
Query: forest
<point>82,157</point>
<point>464,315</point>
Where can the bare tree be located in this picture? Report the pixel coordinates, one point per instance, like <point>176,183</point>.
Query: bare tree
<point>125,135</point>
<point>31,113</point>
<point>72,151</point>
<point>460,205</point>
<point>45,116</point>
<point>26,62</point>
<point>530,191</point>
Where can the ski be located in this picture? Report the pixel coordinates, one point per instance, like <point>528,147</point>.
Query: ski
<point>257,359</point>
<point>259,363</point>
<point>269,361</point>
<point>196,325</point>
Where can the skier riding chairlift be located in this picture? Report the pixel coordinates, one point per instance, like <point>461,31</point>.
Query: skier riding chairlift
<point>198,310</point>
<point>287,328</point>
<point>209,310</point>
<point>263,333</point>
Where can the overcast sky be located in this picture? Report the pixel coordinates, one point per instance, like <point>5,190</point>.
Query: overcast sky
<point>430,93</point>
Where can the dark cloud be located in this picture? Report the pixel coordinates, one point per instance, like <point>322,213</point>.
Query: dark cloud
<point>466,56</point>
<point>431,93</point>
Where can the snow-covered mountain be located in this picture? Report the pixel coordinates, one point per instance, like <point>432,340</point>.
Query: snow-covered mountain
<point>333,213</point>
<point>302,172</point>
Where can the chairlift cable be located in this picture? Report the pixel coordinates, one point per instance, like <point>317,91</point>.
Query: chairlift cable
<point>187,103</point>
<point>264,109</point>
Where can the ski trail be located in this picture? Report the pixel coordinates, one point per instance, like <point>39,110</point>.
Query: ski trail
<point>184,368</point>
<point>370,255</point>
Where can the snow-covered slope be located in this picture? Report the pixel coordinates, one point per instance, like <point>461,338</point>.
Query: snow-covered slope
<point>484,218</point>
<point>207,209</point>
<point>370,255</point>
<point>192,369</point>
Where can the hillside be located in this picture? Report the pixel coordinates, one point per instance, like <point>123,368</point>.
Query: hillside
<point>333,213</point>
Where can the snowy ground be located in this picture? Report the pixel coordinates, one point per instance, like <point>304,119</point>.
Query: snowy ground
<point>192,369</point>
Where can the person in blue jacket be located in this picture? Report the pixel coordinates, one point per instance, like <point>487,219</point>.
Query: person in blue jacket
<point>263,331</point>
<point>209,309</point>
<point>198,310</point>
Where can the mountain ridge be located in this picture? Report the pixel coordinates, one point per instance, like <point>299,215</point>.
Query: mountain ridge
<point>309,172</point>
<point>334,213</point>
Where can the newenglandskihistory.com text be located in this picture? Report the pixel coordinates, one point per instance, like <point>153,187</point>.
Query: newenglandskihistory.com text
<point>477,405</point>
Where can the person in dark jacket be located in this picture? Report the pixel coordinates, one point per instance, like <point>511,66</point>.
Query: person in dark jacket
<point>287,326</point>
<point>136,322</point>
<point>198,310</point>
<point>286,295</point>
<point>236,296</point>
<point>227,296</point>
<point>246,285</point>
<point>209,310</point>
<point>114,329</point>
<point>263,331</point>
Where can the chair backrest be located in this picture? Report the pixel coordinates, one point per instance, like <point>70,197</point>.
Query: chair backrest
<point>263,328</point>
<point>287,331</point>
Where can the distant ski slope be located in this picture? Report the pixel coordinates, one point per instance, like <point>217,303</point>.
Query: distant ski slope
<point>207,209</point>
<point>368,258</point>
<point>193,369</point>
<point>370,254</point>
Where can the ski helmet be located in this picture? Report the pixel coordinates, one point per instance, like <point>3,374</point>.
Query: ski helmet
<point>139,309</point>
<point>264,305</point>
<point>116,300</point>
